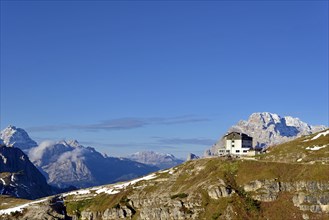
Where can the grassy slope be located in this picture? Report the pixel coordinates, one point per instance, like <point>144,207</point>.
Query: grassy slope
<point>192,179</point>
<point>296,150</point>
<point>8,202</point>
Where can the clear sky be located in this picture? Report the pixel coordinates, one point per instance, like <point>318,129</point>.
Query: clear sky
<point>168,76</point>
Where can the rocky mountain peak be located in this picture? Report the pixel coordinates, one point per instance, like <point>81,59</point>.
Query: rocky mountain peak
<point>17,137</point>
<point>296,122</point>
<point>192,156</point>
<point>269,129</point>
<point>71,143</point>
<point>264,118</point>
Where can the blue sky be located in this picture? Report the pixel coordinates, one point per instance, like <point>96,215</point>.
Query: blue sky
<point>171,76</point>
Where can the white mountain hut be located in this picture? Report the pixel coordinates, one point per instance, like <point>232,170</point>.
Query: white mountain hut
<point>237,144</point>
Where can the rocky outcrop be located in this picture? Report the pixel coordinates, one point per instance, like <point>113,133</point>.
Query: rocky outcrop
<point>113,213</point>
<point>308,195</point>
<point>219,190</point>
<point>150,209</point>
<point>51,209</point>
<point>168,207</point>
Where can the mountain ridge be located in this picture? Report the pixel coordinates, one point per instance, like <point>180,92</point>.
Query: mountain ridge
<point>80,166</point>
<point>161,160</point>
<point>67,163</point>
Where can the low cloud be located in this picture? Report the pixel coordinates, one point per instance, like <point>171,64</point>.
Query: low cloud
<point>121,124</point>
<point>36,153</point>
<point>43,153</point>
<point>74,155</point>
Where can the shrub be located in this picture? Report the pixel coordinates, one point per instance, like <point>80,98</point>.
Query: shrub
<point>180,195</point>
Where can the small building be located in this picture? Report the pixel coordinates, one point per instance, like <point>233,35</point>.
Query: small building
<point>236,143</point>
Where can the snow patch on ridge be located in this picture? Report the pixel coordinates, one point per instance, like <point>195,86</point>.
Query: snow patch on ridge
<point>111,189</point>
<point>316,147</point>
<point>325,133</point>
<point>4,159</point>
<point>114,189</point>
<point>107,191</point>
<point>19,208</point>
<point>3,182</point>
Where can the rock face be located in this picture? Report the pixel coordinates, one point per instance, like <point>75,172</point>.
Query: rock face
<point>163,161</point>
<point>269,129</point>
<point>19,177</point>
<point>67,163</point>
<point>309,196</point>
<point>17,137</point>
<point>51,209</point>
<point>150,209</point>
<point>191,156</point>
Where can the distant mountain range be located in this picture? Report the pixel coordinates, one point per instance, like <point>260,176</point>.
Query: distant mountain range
<point>68,163</point>
<point>269,129</point>
<point>163,161</point>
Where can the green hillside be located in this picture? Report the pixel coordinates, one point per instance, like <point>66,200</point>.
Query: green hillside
<point>192,186</point>
<point>307,149</point>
